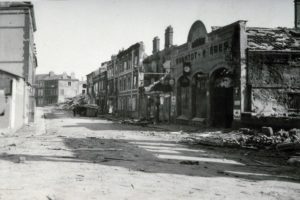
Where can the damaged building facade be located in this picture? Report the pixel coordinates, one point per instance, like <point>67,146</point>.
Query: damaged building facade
<point>231,76</point>
<point>273,81</point>
<point>17,65</point>
<point>129,64</point>
<point>117,86</point>
<point>54,88</point>
<point>207,74</point>
<point>156,92</point>
<point>238,75</point>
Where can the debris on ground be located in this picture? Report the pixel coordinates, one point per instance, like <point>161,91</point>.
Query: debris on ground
<point>188,162</point>
<point>74,101</point>
<point>138,122</point>
<point>247,138</point>
<point>282,140</point>
<point>21,159</point>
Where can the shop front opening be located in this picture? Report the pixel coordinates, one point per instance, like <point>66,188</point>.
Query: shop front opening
<point>199,99</point>
<point>221,98</point>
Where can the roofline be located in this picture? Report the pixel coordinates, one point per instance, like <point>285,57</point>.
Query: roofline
<point>226,26</point>
<point>58,79</point>
<point>23,5</point>
<point>1,70</point>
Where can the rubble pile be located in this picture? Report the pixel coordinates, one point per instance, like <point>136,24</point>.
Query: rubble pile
<point>71,102</point>
<point>247,138</point>
<point>271,39</point>
<point>137,122</point>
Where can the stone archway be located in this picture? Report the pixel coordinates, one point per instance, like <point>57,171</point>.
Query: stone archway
<point>221,98</point>
<point>199,97</point>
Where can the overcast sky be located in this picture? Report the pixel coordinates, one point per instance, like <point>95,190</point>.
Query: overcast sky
<point>77,35</point>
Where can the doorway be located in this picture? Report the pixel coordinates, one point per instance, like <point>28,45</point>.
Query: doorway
<point>221,98</point>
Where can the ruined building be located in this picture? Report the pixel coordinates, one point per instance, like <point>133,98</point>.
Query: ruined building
<point>156,92</point>
<point>230,76</point>
<point>129,63</point>
<point>55,88</point>
<point>238,74</point>
<point>17,65</point>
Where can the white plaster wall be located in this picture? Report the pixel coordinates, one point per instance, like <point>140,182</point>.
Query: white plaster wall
<point>11,39</point>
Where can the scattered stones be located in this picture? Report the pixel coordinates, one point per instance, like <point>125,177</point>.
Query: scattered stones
<point>188,162</point>
<point>21,159</point>
<point>245,138</point>
<point>245,131</point>
<point>295,161</point>
<point>268,131</point>
<point>295,132</point>
<point>283,133</point>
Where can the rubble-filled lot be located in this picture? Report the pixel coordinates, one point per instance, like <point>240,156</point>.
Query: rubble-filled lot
<point>91,158</point>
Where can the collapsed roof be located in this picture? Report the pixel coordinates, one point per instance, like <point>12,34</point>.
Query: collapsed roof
<point>273,39</point>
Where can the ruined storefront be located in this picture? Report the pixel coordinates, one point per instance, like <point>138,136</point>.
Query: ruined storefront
<point>273,72</point>
<point>207,71</point>
<point>236,75</point>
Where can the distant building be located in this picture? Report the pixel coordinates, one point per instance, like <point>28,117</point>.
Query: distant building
<point>100,87</point>
<point>82,87</point>
<point>112,83</point>
<point>114,86</point>
<point>55,88</point>
<point>90,87</point>
<point>17,65</point>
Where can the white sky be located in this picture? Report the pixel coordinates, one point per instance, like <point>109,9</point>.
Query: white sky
<point>77,35</point>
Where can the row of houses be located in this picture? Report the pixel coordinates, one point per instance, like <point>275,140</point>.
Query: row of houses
<point>234,74</point>
<point>18,63</point>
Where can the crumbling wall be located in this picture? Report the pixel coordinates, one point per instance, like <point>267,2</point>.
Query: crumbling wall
<point>274,80</point>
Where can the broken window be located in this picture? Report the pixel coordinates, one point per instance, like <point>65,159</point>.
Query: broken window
<point>216,49</point>
<point>226,45</point>
<point>220,47</point>
<point>294,101</point>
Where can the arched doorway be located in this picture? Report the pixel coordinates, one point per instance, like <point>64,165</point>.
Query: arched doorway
<point>199,99</point>
<point>183,96</point>
<point>221,98</point>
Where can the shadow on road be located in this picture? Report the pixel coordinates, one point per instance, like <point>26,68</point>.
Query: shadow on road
<point>151,156</point>
<point>112,126</point>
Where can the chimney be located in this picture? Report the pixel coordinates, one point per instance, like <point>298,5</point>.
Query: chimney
<point>64,75</point>
<point>155,45</point>
<point>169,37</point>
<point>51,73</point>
<point>73,75</point>
<point>297,14</point>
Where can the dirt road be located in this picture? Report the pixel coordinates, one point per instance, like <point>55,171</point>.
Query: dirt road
<point>65,157</point>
